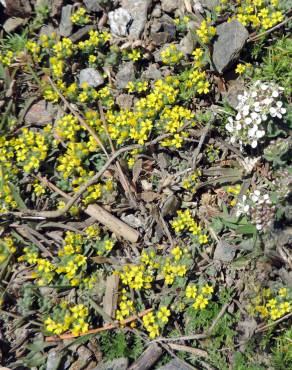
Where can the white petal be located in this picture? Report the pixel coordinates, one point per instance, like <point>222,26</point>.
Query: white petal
<point>264,87</point>
<point>254,144</point>
<point>279,104</point>
<point>238,116</point>
<point>248,121</point>
<point>257,192</point>
<point>275,94</point>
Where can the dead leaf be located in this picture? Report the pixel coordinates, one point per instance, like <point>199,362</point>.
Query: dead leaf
<point>149,196</point>
<point>137,168</point>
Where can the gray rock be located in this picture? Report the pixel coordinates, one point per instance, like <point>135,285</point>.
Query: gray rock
<point>224,252</point>
<point>117,364</point>
<point>152,73</point>
<point>210,4</point>
<point>231,39</point>
<point>187,44</point>
<point>125,74</point>
<point>66,26</point>
<point>119,21</point>
<point>132,221</point>
<point>156,12</point>
<point>235,88</point>
<point>162,30</point>
<point>53,360</point>
<point>125,101</point>
<point>92,5</point>
<point>170,5</point>
<point>138,10</point>
<point>174,365</point>
<point>12,24</point>
<point>91,76</point>
<point>38,114</point>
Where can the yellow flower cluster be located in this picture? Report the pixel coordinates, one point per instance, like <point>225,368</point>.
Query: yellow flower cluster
<point>256,13</point>
<point>136,276</point>
<point>34,49</point>
<point>206,32</point>
<point>6,58</point>
<point>7,247</point>
<point>271,306</point>
<point>126,308</point>
<point>138,86</point>
<point>79,17</point>
<point>135,55</point>
<point>185,222</point>
<point>190,182</point>
<point>66,318</point>
<point>171,55</point>
<point>27,151</point>
<point>200,295</point>
<point>38,189</point>
<point>154,323</point>
<point>71,265</point>
<point>172,120</point>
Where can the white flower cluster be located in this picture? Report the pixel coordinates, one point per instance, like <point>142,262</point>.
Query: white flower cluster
<point>253,109</point>
<point>259,207</point>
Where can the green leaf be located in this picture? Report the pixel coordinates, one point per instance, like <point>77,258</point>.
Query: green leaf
<point>16,196</point>
<point>246,229</point>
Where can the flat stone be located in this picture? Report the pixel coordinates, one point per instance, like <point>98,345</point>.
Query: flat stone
<point>92,5</point>
<point>231,39</point>
<point>117,364</point>
<point>162,30</point>
<point>187,44</point>
<point>66,26</point>
<point>210,4</point>
<point>125,74</point>
<point>224,252</point>
<point>12,24</point>
<point>138,10</point>
<point>91,76</point>
<point>170,5</point>
<point>174,365</point>
<point>119,20</point>
<point>125,101</point>
<point>18,8</point>
<point>38,114</point>
<point>152,73</point>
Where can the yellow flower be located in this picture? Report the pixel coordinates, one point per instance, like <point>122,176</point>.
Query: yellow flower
<point>207,289</point>
<point>177,253</point>
<point>163,314</point>
<point>283,292</point>
<point>191,291</point>
<point>240,69</point>
<point>203,239</point>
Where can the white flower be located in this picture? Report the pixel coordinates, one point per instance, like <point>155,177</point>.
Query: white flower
<point>238,126</point>
<point>238,116</point>
<point>264,87</point>
<point>275,93</point>
<point>260,134</point>
<point>277,111</point>
<point>248,121</point>
<point>245,110</point>
<point>254,144</point>
<point>255,195</point>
